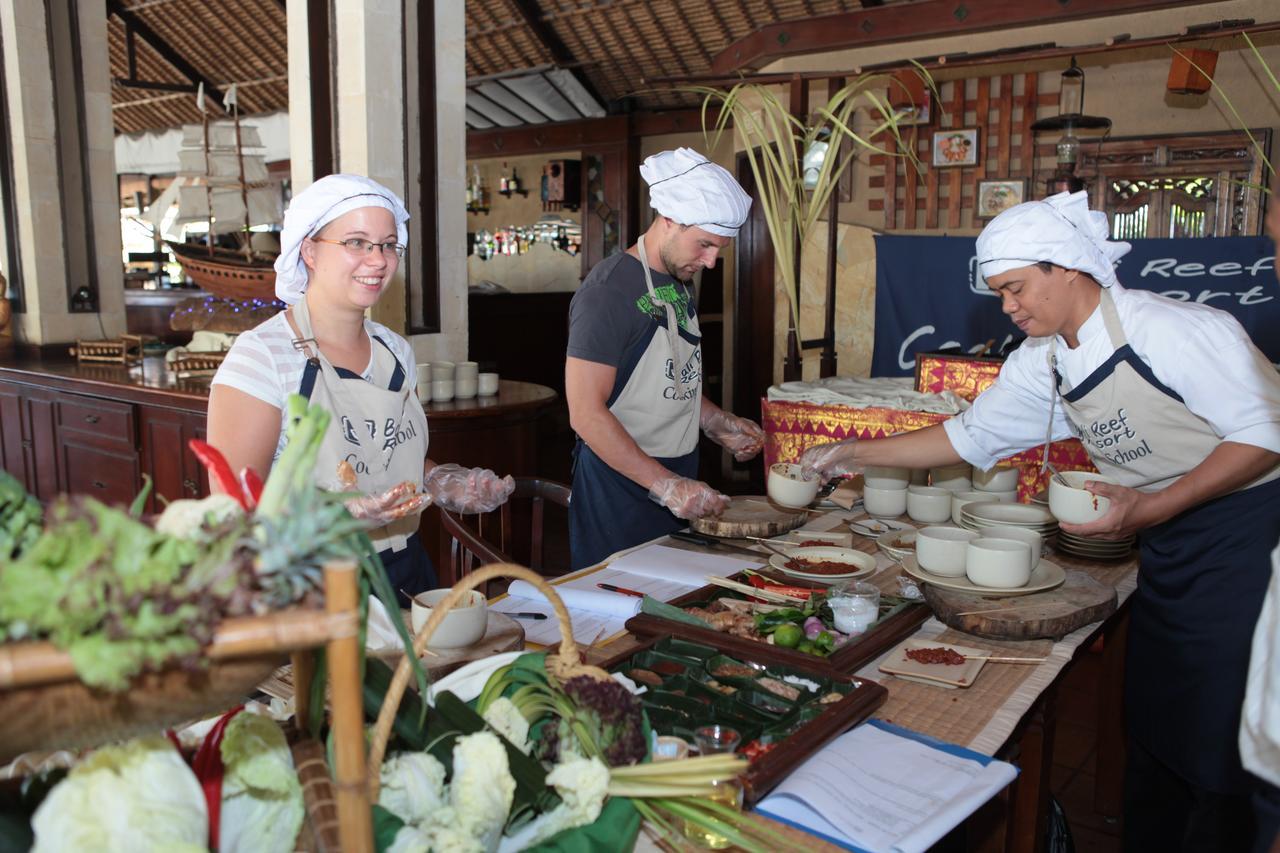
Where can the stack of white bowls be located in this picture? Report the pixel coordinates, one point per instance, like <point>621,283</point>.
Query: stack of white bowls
<point>444,380</point>
<point>1070,502</point>
<point>1002,483</point>
<point>884,491</point>
<point>982,516</point>
<point>993,559</point>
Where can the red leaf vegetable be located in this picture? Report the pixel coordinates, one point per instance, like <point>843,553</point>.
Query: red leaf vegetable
<point>251,486</point>
<point>209,770</point>
<point>219,470</point>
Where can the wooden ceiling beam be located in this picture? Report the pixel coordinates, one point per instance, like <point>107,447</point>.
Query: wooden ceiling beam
<point>164,49</point>
<point>912,21</point>
<point>545,35</point>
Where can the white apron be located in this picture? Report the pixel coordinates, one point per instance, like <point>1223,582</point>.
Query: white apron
<point>377,426</point>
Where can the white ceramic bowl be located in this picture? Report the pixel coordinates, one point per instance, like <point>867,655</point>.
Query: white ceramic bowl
<point>928,504</point>
<point>959,499</point>
<point>465,389</point>
<point>942,550</point>
<point>995,480</point>
<point>487,384</point>
<point>788,488</point>
<point>442,389</point>
<point>998,563</point>
<point>887,478</point>
<point>1019,534</point>
<point>465,370</point>
<point>442,370</point>
<point>953,478</point>
<point>1071,503</point>
<point>462,626</point>
<point>884,503</point>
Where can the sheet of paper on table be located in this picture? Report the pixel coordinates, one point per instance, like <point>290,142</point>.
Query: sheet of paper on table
<point>882,788</point>
<point>657,570</point>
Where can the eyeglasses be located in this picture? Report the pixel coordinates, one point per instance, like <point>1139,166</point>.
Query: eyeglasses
<point>356,246</point>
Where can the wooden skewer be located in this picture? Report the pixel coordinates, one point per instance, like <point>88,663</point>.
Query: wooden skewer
<point>999,659</point>
<point>998,610</point>
<point>776,597</point>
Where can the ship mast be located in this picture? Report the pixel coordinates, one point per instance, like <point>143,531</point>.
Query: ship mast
<point>208,187</point>
<point>244,190</point>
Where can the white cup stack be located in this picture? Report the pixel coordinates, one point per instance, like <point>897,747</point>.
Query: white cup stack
<point>424,382</point>
<point>884,493</point>
<point>1000,483</point>
<point>466,379</point>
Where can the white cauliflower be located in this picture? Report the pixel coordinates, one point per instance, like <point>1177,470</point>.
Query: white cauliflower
<point>583,784</point>
<point>412,786</point>
<point>186,519</point>
<point>507,721</point>
<point>482,789</point>
<point>441,835</point>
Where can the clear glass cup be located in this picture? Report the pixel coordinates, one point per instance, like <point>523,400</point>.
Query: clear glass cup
<point>854,606</point>
<point>711,740</point>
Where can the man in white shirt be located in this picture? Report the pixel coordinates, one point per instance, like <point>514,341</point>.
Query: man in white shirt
<point>1176,405</point>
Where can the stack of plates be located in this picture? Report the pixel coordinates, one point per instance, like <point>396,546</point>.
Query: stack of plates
<point>984,514</point>
<point>1095,549</point>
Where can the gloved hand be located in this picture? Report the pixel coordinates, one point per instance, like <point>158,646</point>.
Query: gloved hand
<point>830,460</point>
<point>688,498</point>
<point>467,490</point>
<point>395,503</point>
<point>741,437</point>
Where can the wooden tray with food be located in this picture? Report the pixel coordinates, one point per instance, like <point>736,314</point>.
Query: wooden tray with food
<point>799,628</point>
<point>783,712</point>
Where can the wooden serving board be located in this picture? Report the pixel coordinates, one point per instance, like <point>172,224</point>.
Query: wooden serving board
<point>750,516</point>
<point>502,634</point>
<point>1079,601</point>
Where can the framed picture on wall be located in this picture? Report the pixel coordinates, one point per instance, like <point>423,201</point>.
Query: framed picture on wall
<point>996,195</point>
<point>915,114</point>
<point>958,147</point>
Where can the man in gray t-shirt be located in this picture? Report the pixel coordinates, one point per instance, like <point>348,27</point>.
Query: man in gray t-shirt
<point>633,372</point>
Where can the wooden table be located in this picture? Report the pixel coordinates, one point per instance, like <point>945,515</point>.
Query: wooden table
<point>499,432</point>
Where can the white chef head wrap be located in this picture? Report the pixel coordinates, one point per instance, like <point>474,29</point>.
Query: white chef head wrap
<point>317,206</point>
<point>1061,230</point>
<point>690,189</point>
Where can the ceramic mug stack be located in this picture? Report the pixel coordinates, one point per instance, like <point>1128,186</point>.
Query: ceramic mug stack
<point>884,491</point>
<point>424,382</point>
<point>466,377</point>
<point>1000,483</point>
<point>442,385</point>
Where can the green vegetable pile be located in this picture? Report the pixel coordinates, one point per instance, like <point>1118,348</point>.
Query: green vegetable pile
<point>123,598</point>
<point>20,517</point>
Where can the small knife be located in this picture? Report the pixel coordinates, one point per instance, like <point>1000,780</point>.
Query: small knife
<point>715,544</point>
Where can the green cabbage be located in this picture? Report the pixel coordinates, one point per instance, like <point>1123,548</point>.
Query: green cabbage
<point>262,808</point>
<point>133,798</point>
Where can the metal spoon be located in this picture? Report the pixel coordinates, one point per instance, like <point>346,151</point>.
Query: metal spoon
<point>1057,475</point>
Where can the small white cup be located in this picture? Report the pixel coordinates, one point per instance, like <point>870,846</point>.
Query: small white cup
<point>786,487</point>
<point>884,503</point>
<point>995,480</point>
<point>928,504</point>
<point>997,563</point>
<point>942,550</point>
<point>424,383</point>
<point>887,478</point>
<point>487,384</point>
<point>465,389</point>
<point>442,390</point>
<point>464,625</point>
<point>442,370</point>
<point>466,370</point>
<point>1020,534</point>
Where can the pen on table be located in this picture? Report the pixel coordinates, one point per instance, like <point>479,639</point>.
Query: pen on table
<point>527,615</point>
<point>621,589</point>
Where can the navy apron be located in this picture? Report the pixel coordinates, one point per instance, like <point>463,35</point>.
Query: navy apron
<point>381,430</point>
<point>657,397</point>
<point>1201,576</point>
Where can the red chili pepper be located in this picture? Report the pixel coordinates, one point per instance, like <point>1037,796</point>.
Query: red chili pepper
<point>250,486</point>
<point>219,470</point>
<point>796,591</point>
<point>209,770</point>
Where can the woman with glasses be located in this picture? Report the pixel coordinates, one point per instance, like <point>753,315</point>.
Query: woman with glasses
<point>342,242</point>
<point>1176,405</point>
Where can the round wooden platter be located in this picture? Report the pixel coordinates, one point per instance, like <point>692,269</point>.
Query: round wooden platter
<point>750,516</point>
<point>502,634</point>
<point>1079,601</point>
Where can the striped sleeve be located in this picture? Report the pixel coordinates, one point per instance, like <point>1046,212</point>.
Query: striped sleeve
<point>252,367</point>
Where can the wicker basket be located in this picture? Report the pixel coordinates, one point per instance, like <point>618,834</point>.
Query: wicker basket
<point>562,666</point>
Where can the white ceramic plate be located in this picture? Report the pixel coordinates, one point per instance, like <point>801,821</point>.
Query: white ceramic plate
<point>1003,513</point>
<point>1044,577</point>
<point>945,675</point>
<point>860,563</point>
<point>888,543</point>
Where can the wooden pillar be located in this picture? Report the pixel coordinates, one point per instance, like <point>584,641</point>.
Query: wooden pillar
<point>828,364</point>
<point>342,657</point>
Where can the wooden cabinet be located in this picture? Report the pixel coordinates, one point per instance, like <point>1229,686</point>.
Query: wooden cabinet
<point>28,446</point>
<point>175,471</point>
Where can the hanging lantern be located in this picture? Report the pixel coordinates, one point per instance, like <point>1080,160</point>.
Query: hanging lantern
<point>1070,118</point>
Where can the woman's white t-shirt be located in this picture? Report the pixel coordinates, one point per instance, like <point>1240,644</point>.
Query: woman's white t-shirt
<point>264,364</point>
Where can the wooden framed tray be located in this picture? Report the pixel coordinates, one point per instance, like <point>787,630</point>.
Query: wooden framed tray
<point>895,624</point>
<point>779,734</point>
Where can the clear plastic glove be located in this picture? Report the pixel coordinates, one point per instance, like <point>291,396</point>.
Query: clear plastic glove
<point>688,498</point>
<point>395,503</point>
<point>741,437</point>
<point>830,460</point>
<point>467,490</point>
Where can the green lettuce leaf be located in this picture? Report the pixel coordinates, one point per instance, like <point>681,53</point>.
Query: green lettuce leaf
<point>262,808</point>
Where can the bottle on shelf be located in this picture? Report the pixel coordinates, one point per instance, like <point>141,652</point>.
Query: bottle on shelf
<point>513,183</point>
<point>504,185</point>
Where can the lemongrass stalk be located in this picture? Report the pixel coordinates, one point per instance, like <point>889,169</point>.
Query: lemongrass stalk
<point>736,832</point>
<point>700,764</point>
<point>649,791</point>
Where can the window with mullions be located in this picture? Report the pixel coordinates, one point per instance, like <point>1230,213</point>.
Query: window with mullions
<point>1197,185</point>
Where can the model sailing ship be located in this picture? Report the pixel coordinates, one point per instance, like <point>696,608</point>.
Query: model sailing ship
<point>232,192</point>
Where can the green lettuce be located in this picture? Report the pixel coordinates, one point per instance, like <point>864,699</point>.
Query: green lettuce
<point>137,797</point>
<point>262,808</point>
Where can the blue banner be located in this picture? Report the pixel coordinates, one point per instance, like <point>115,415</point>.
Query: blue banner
<point>929,295</point>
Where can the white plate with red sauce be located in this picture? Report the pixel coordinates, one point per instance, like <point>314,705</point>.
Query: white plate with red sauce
<point>856,563</point>
<point>948,675</point>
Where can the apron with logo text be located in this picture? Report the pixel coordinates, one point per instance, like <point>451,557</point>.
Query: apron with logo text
<point>657,397</point>
<point>377,427</point>
<point>1202,574</point>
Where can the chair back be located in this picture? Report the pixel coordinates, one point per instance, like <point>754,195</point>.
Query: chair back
<point>480,539</point>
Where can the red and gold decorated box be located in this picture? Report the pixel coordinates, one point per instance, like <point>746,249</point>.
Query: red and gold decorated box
<point>792,427</point>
